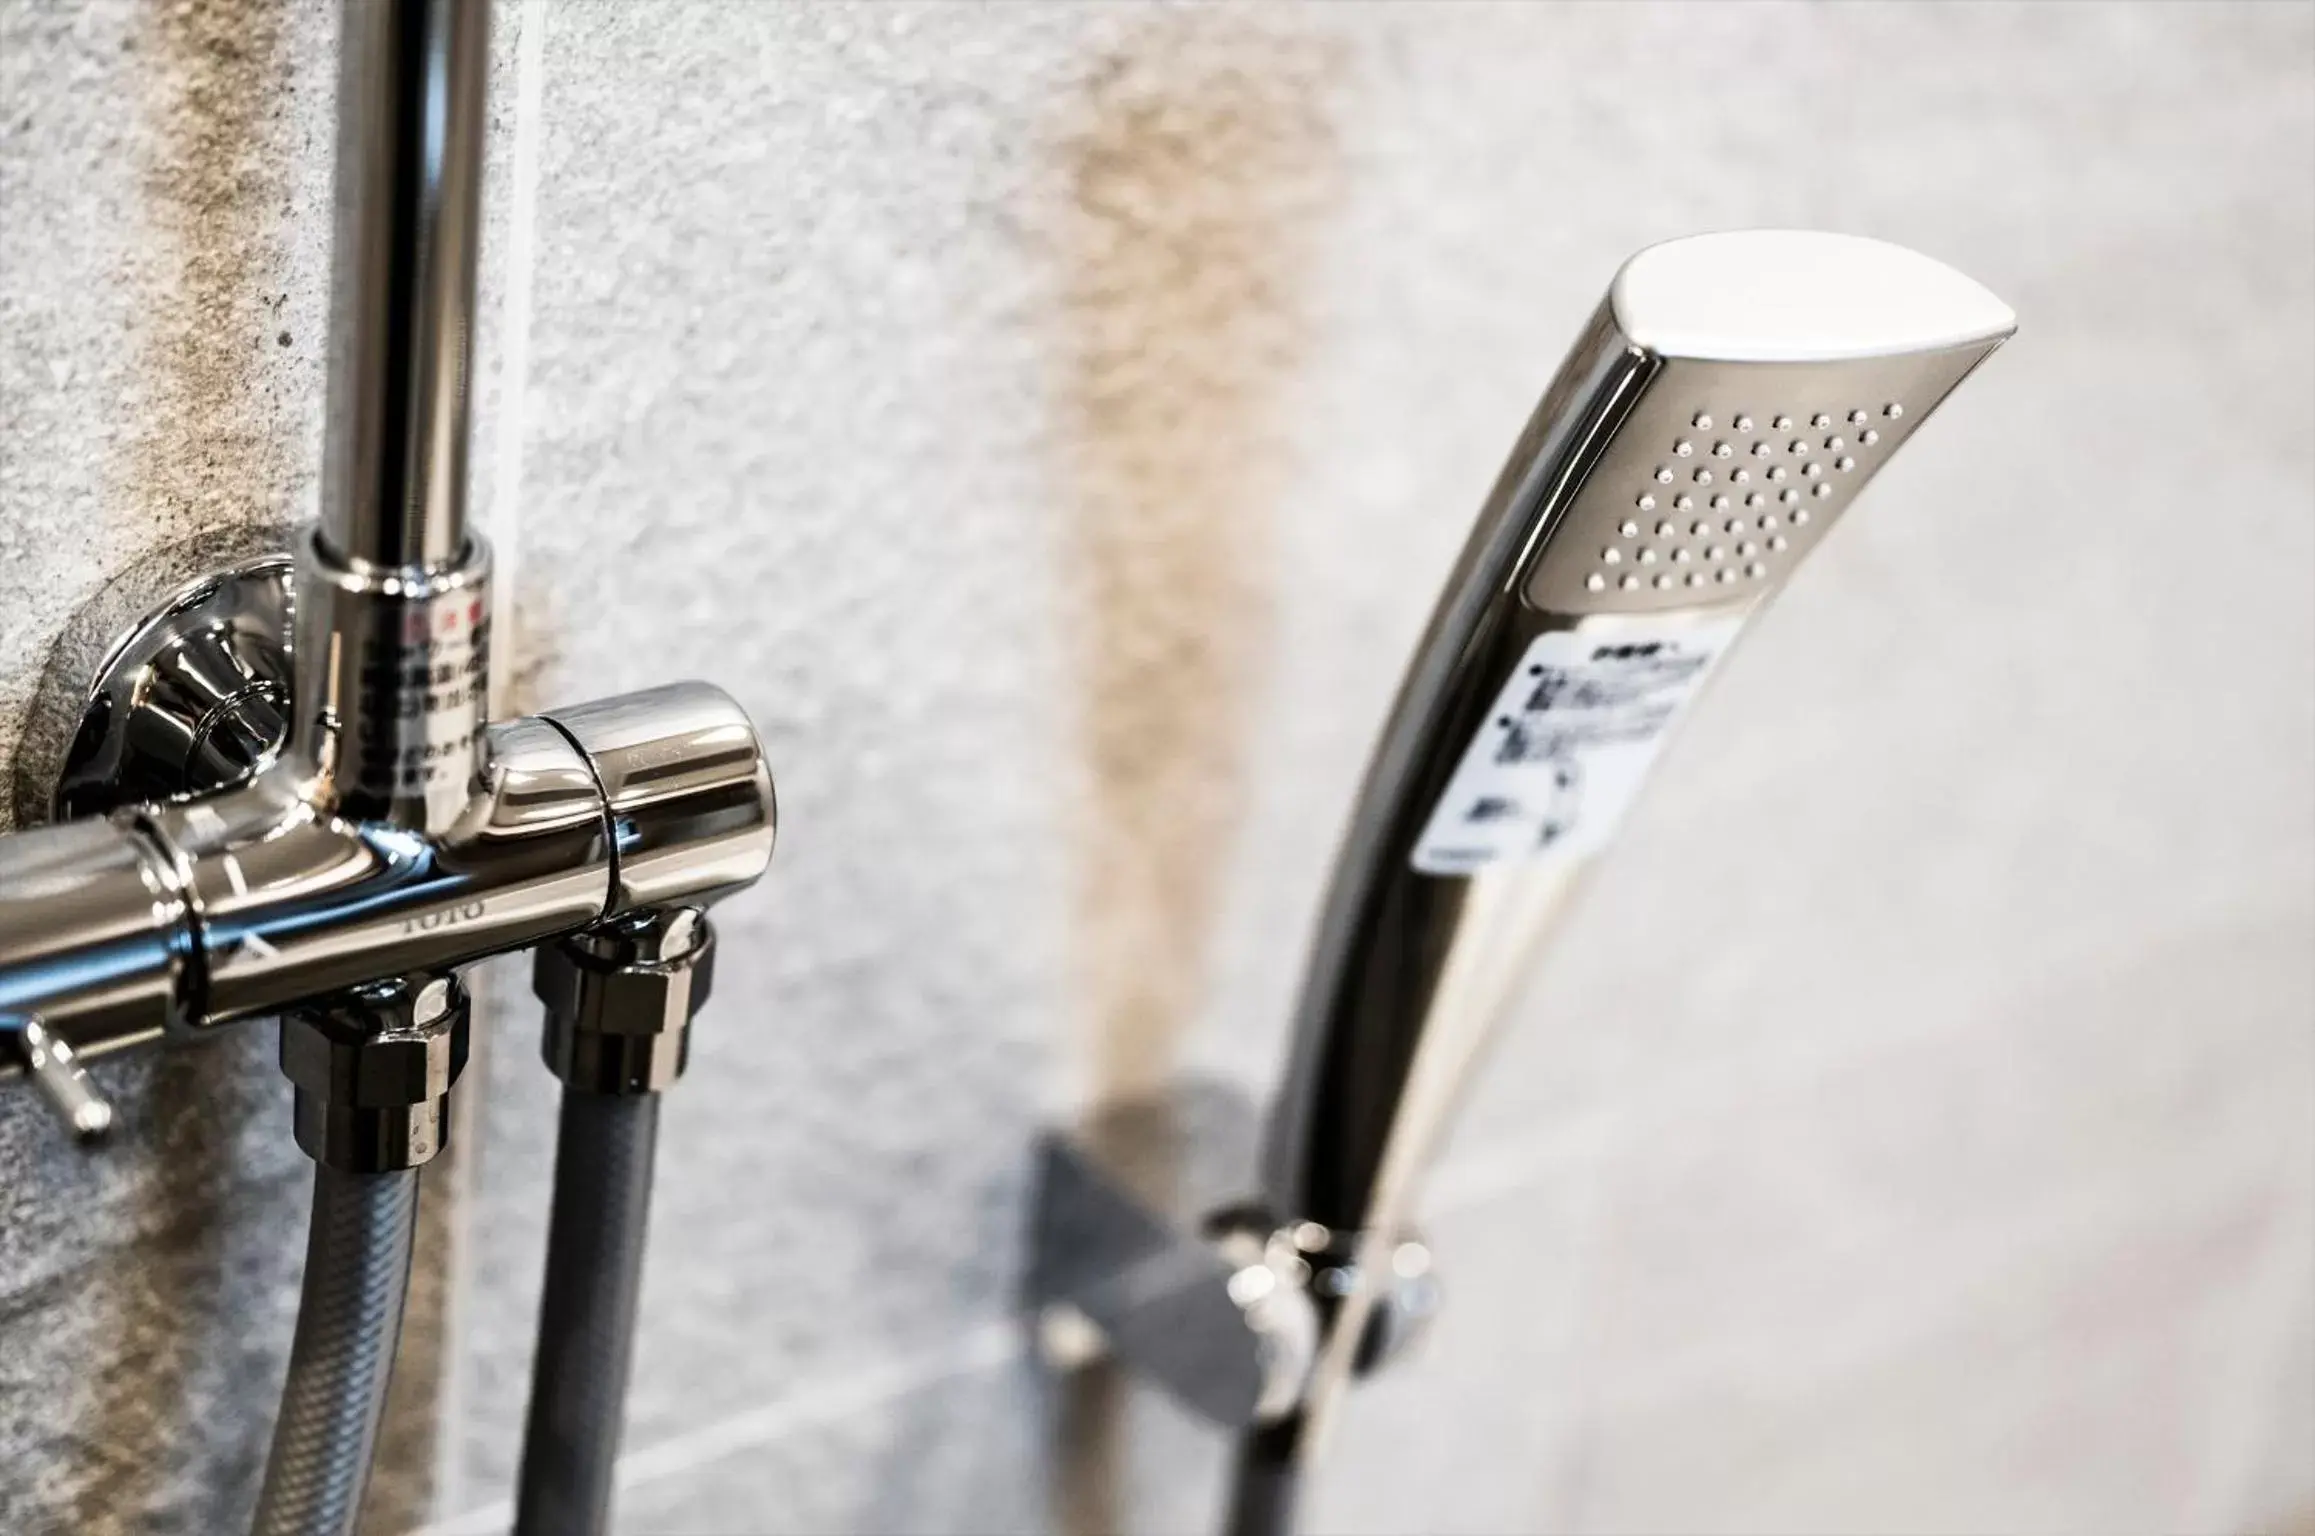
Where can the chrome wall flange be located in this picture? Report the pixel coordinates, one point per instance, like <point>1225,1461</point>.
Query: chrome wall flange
<point>195,697</point>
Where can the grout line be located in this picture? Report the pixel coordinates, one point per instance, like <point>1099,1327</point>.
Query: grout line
<point>841,1396</point>
<point>1491,1174</point>
<point>1496,1172</point>
<point>2226,1484</point>
<point>1477,1178</point>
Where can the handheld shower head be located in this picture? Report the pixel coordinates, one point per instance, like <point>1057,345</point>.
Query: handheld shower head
<point>1723,409</point>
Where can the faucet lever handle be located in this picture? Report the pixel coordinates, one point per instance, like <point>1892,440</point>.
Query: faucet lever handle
<point>63,1081</point>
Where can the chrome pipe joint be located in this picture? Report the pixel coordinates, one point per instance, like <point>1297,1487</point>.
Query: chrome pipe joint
<point>373,1068</point>
<point>620,998</point>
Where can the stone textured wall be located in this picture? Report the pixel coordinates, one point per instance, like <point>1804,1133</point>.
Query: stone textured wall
<point>1052,422</point>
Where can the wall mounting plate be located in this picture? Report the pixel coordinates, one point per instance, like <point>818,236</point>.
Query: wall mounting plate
<point>192,698</point>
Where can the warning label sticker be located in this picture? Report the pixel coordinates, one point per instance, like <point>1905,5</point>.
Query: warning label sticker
<point>1562,755</point>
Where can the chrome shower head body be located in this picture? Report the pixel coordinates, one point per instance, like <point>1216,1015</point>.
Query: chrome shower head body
<point>1728,401</point>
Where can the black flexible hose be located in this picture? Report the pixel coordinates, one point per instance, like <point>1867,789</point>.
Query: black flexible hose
<point>357,1272</point>
<point>587,1315</point>
<point>1265,1479</point>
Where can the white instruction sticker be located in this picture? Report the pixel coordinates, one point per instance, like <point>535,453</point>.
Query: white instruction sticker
<point>1563,753</point>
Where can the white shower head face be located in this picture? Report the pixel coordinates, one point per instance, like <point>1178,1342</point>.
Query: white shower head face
<point>1787,368</point>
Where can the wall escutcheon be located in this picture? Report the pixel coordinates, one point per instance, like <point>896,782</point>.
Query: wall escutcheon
<point>194,698</point>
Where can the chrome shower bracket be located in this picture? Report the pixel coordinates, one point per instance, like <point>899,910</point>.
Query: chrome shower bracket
<point>1146,1252</point>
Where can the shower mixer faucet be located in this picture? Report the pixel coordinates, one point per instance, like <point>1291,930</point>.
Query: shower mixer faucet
<point>380,825</point>
<point>1717,417</point>
<point>285,797</point>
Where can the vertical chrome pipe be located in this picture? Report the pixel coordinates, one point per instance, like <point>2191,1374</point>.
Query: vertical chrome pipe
<point>393,597</point>
<point>410,134</point>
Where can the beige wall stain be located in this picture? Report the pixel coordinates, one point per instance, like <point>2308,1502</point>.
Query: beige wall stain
<point>1200,172</point>
<point>217,458</point>
<point>204,450</point>
<point>213,445</point>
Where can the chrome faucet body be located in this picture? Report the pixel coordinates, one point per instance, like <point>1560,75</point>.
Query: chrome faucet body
<point>179,918</point>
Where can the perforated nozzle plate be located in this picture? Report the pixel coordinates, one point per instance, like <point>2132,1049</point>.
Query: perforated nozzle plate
<point>1725,474</point>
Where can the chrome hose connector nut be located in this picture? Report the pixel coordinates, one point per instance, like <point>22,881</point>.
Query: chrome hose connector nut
<point>373,1068</point>
<point>620,997</point>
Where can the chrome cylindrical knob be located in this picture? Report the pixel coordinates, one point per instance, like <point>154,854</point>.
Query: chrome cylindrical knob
<point>687,790</point>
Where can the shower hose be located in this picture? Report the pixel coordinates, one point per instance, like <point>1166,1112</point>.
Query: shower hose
<point>1264,1481</point>
<point>357,1272</point>
<point>602,1201</point>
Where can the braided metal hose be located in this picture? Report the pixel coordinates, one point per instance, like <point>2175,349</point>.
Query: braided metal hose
<point>349,1319</point>
<point>602,1203</point>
